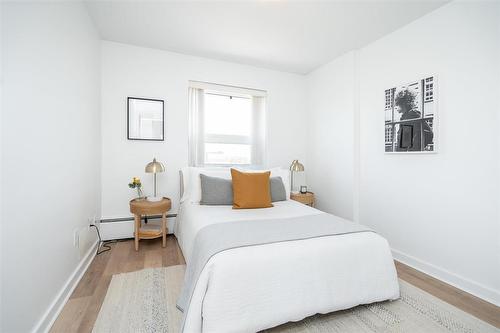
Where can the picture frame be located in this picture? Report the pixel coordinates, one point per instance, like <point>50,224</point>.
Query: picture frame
<point>412,130</point>
<point>145,119</point>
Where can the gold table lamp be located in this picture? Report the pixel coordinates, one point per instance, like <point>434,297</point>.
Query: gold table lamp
<point>154,167</point>
<point>295,167</point>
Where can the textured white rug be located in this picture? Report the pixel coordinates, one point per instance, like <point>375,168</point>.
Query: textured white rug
<point>144,301</point>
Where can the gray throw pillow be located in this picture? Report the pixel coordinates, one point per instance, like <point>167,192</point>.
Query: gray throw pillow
<point>278,192</point>
<point>216,191</point>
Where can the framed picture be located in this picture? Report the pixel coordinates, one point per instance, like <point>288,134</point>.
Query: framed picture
<point>145,119</point>
<point>410,117</point>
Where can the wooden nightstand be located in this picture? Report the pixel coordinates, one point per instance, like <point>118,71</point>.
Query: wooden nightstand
<point>305,198</point>
<point>144,207</point>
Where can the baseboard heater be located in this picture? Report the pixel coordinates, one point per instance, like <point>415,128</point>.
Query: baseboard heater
<point>131,218</point>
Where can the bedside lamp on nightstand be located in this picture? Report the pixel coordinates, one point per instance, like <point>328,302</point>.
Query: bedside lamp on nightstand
<point>295,168</point>
<point>154,167</point>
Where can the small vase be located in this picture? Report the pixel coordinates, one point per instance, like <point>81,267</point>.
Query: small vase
<point>140,195</point>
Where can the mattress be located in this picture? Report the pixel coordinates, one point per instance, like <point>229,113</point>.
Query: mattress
<point>253,288</point>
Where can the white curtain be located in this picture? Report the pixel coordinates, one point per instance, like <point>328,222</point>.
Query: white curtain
<point>196,128</point>
<point>258,130</point>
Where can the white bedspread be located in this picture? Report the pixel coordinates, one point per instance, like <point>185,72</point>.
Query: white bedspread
<point>252,288</point>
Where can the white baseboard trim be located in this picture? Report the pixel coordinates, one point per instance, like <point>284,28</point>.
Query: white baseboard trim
<point>469,286</point>
<point>50,316</point>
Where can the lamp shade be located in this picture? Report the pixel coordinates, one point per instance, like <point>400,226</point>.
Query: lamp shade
<point>296,166</point>
<point>155,167</point>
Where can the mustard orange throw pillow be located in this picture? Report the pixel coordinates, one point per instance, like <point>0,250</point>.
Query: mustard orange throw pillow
<point>251,190</point>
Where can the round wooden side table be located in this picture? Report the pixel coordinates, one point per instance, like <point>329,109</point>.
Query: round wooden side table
<point>305,198</point>
<point>140,207</point>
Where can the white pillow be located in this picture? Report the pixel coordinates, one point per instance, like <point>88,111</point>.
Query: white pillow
<point>192,183</point>
<point>285,176</point>
<point>184,183</point>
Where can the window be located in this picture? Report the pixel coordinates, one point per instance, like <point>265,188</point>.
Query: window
<point>388,134</point>
<point>389,99</point>
<point>226,125</point>
<point>228,129</point>
<point>429,89</point>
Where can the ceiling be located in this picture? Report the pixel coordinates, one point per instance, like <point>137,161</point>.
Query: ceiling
<point>283,35</point>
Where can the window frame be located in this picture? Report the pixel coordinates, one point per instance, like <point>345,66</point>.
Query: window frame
<point>258,134</point>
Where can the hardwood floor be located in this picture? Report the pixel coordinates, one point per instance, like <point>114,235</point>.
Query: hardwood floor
<point>454,296</point>
<point>80,312</point>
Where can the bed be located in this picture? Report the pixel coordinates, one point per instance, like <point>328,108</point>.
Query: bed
<point>251,288</point>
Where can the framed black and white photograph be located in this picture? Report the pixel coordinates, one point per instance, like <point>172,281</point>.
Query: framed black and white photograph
<point>145,119</point>
<point>410,117</point>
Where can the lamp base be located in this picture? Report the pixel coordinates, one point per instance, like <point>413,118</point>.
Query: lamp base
<point>154,199</point>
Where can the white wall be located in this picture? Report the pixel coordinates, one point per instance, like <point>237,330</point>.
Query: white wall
<point>50,152</point>
<point>330,152</point>
<point>142,72</point>
<point>1,163</point>
<point>440,212</point>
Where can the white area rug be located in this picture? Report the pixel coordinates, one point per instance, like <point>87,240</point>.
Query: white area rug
<point>144,301</point>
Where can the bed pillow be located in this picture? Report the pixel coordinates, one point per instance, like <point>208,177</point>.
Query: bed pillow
<point>275,172</point>
<point>278,191</point>
<point>216,191</point>
<point>192,183</point>
<point>285,177</point>
<point>184,185</point>
<point>284,174</point>
<point>251,189</point>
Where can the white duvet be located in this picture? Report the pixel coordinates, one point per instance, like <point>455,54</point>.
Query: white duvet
<point>253,288</point>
